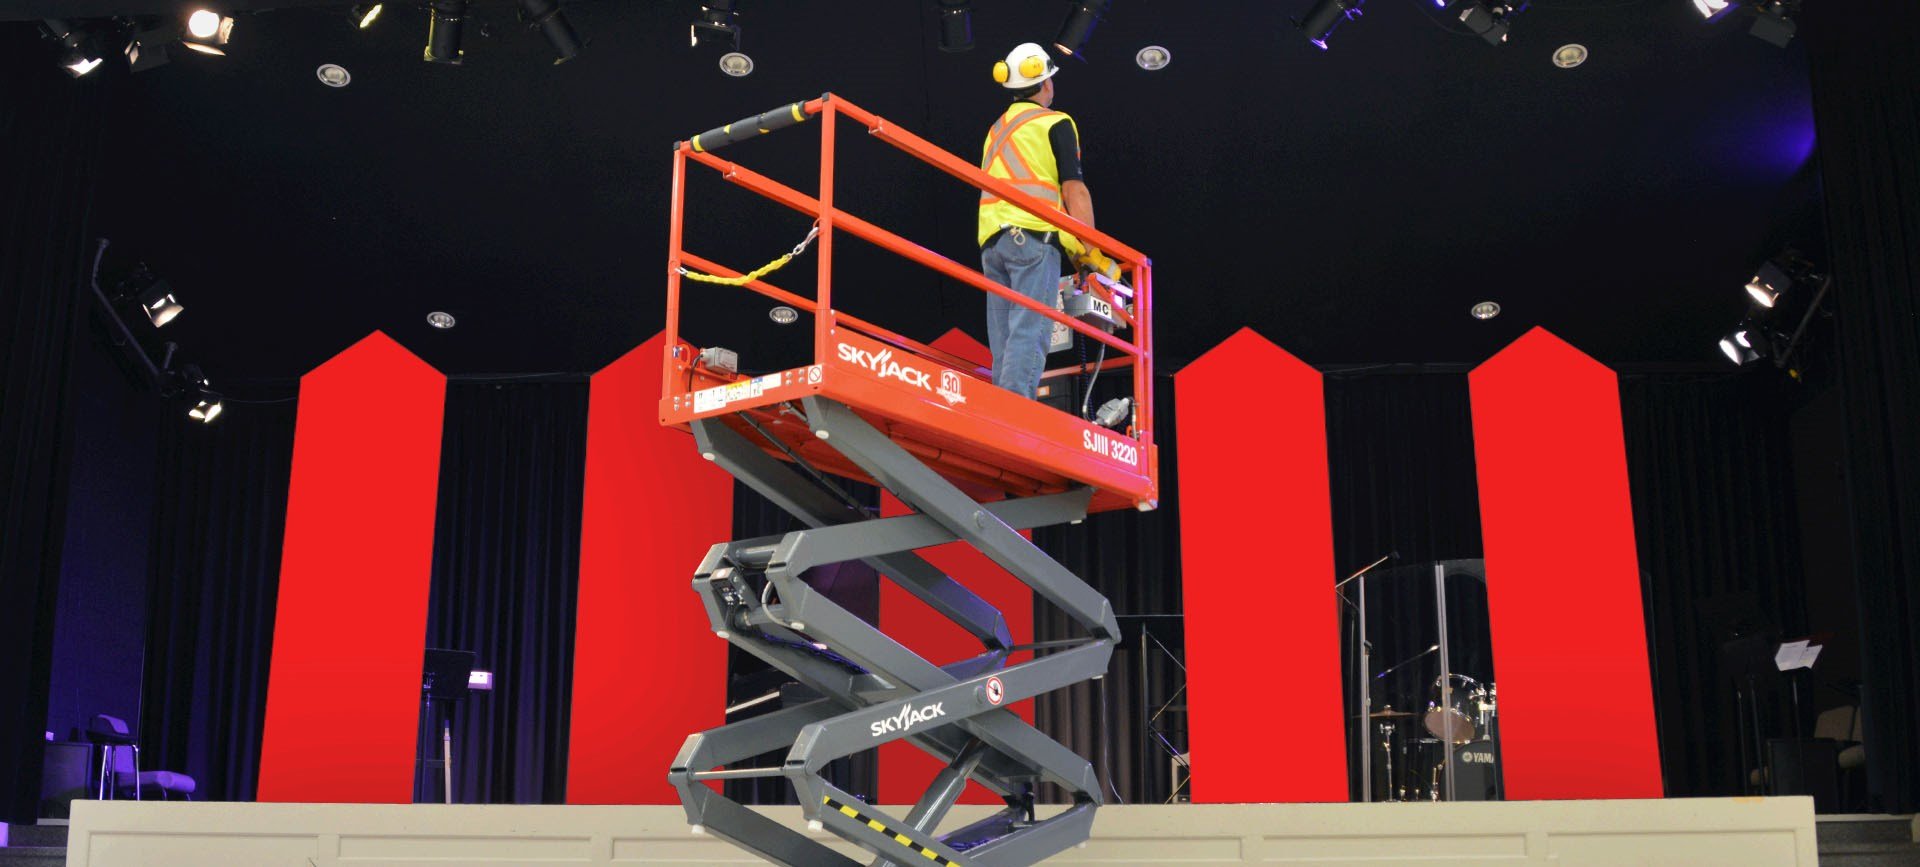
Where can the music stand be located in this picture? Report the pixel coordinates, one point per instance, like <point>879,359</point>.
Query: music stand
<point>1748,640</point>
<point>446,676</point>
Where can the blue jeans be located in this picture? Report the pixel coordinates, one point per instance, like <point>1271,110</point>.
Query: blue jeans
<point>1017,336</point>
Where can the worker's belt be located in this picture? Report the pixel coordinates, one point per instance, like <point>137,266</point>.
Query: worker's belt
<point>1051,239</point>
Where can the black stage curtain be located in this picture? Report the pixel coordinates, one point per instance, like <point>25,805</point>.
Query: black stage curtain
<point>1709,475</point>
<point>50,136</point>
<point>215,576</point>
<point>1866,100</point>
<point>1130,722</point>
<point>506,569</point>
<point>1712,470</point>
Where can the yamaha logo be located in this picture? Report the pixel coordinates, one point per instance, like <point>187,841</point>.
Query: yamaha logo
<point>908,717</point>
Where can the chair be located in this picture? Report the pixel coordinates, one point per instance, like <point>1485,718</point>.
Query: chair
<point>1843,724</point>
<point>120,764</point>
<point>168,783</point>
<point>111,735</point>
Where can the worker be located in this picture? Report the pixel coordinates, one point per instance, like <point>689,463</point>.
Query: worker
<point>1036,149</point>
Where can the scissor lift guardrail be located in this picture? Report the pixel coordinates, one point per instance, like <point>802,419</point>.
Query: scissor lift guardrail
<point>977,469</point>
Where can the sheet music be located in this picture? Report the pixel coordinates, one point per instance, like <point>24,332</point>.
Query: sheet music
<point>1796,654</point>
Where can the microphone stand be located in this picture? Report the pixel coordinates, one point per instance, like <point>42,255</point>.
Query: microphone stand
<point>1366,694</point>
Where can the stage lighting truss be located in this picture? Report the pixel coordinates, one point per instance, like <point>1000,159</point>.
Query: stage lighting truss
<point>1082,17</point>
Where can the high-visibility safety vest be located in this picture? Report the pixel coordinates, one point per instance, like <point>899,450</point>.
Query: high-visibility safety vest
<point>1019,151</point>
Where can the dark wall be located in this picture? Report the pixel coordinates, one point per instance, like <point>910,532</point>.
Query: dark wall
<point>50,136</point>
<point>100,626</point>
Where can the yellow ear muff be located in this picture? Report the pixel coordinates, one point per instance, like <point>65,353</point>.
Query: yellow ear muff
<point>1032,67</point>
<point>1000,71</point>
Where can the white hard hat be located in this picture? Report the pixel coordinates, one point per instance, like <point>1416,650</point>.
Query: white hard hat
<point>1026,65</point>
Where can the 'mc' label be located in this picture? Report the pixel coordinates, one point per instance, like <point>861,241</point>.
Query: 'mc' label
<point>1100,443</point>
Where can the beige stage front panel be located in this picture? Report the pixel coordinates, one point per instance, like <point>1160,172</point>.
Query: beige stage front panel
<point>1737,832</point>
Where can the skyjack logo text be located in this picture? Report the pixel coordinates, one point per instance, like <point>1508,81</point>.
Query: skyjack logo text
<point>883,366</point>
<point>908,717</point>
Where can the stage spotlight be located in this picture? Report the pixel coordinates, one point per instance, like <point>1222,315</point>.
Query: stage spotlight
<point>1711,9</point>
<point>365,14</point>
<point>1737,352</point>
<point>1324,17</point>
<point>147,49</point>
<point>445,21</point>
<point>190,386</point>
<point>956,25</point>
<point>546,17</point>
<point>206,406</point>
<point>718,24</point>
<point>207,31</point>
<point>1491,20</point>
<point>152,293</point>
<point>1773,22</point>
<point>78,54</point>
<point>1082,17</point>
<point>1774,279</point>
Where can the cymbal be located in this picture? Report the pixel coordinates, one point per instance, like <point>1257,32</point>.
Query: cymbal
<point>1390,713</point>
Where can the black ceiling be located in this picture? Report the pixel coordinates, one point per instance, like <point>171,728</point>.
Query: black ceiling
<point>1350,204</point>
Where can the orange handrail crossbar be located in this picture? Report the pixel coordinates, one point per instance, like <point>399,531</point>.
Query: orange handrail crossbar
<point>879,237</point>
<point>801,303</point>
<point>1030,448</point>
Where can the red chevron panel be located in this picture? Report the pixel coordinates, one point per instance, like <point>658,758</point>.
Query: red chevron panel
<point>1253,476</point>
<point>1563,576</point>
<point>349,635</point>
<point>905,771</point>
<point>647,670</point>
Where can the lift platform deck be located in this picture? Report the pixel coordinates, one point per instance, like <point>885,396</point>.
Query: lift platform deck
<point>976,464</point>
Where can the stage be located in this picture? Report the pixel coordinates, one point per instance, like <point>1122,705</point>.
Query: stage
<point>1747,832</point>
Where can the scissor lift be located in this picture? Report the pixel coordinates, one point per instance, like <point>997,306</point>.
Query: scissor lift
<point>975,463</point>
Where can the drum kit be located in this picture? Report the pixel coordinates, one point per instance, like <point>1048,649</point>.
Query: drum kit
<point>1410,748</point>
<point>1433,732</point>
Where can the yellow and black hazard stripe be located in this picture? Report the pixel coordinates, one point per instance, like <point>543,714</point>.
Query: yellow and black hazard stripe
<point>876,825</point>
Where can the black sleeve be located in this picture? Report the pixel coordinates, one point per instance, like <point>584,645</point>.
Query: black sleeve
<point>1066,150</point>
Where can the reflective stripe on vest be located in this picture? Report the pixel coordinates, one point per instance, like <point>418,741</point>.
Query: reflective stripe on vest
<point>1001,149</point>
<point>1019,150</point>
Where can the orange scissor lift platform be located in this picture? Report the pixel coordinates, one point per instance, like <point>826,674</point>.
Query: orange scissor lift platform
<point>941,408</point>
<point>975,463</point>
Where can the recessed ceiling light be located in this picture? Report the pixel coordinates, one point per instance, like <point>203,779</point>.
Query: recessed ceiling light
<point>784,315</point>
<point>736,64</point>
<point>334,75</point>
<point>1485,310</point>
<point>1570,55</point>
<point>1153,57</point>
<point>442,321</point>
